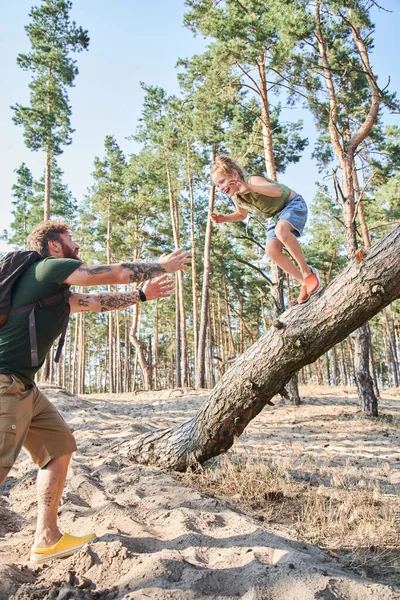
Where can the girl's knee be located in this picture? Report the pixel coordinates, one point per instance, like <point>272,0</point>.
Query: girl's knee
<point>283,230</point>
<point>273,248</point>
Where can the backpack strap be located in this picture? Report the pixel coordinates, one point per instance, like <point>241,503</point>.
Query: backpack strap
<point>46,302</point>
<point>67,311</point>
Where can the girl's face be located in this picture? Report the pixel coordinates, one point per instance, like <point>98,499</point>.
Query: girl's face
<point>225,181</point>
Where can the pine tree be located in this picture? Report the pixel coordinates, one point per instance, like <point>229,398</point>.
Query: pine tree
<point>28,203</point>
<point>345,98</point>
<point>46,121</point>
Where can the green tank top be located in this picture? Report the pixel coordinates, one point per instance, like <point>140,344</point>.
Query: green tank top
<point>262,205</point>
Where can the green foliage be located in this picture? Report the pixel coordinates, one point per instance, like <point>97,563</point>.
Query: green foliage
<point>28,204</point>
<point>46,121</point>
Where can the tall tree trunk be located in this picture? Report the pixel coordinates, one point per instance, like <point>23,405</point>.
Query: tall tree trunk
<point>343,368</point>
<point>363,378</point>
<point>292,392</point>
<point>231,342</point>
<point>75,355</point>
<point>201,351</point>
<point>367,244</point>
<point>47,186</point>
<point>266,121</point>
<point>393,365</point>
<point>118,354</point>
<point>345,151</point>
<point>81,353</point>
<point>209,352</point>
<point>181,364</point>
<point>111,373</point>
<point>156,353</point>
<point>336,373</point>
<point>144,364</point>
<point>140,351</point>
<point>194,253</point>
<point>127,369</point>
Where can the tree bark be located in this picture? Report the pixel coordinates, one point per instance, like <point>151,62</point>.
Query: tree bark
<point>305,332</point>
<point>345,149</point>
<point>193,248</point>
<point>201,350</point>
<point>47,187</point>
<point>144,365</point>
<point>292,391</point>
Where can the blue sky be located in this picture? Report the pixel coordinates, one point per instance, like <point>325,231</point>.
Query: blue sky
<point>131,41</point>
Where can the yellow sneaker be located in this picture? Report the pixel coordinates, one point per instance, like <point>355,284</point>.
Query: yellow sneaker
<point>66,546</point>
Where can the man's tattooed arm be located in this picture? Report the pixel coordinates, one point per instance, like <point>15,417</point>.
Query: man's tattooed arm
<point>141,271</point>
<point>123,273</point>
<point>95,270</point>
<point>116,301</point>
<point>103,301</point>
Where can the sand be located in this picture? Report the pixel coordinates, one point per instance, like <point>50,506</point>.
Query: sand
<point>158,538</point>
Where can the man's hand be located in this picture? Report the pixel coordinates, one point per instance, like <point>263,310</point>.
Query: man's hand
<point>176,261</point>
<point>217,217</point>
<point>160,287</point>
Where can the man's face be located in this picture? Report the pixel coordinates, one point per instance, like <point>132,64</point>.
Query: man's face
<point>68,247</point>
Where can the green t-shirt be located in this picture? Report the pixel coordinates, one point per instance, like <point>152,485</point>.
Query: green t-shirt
<point>262,205</point>
<point>39,280</point>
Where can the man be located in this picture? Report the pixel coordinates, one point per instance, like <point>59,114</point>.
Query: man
<point>27,418</point>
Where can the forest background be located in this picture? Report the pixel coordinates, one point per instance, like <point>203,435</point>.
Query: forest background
<point>136,177</point>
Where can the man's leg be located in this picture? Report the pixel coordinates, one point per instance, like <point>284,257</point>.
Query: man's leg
<point>50,485</point>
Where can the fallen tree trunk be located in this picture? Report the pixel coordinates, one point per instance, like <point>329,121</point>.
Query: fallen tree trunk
<point>299,337</point>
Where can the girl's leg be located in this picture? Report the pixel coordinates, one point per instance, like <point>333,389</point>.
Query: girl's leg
<point>273,249</point>
<point>283,231</point>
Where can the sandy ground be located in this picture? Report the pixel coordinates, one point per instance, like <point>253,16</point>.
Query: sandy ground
<point>160,539</point>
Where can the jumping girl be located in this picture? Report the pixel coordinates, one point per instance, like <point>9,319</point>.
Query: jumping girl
<point>285,209</point>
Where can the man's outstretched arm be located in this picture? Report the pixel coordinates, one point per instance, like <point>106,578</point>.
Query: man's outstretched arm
<point>123,273</point>
<point>158,288</point>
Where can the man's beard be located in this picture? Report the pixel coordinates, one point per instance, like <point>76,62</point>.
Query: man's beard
<point>68,252</point>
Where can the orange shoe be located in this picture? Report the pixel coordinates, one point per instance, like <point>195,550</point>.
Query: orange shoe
<point>303,296</point>
<point>312,282</point>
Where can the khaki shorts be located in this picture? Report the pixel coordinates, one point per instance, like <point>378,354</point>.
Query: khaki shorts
<point>29,420</point>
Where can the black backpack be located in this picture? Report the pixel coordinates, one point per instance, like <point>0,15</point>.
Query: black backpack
<point>12,266</point>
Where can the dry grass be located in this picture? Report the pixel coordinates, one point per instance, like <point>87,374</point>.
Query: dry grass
<point>351,517</point>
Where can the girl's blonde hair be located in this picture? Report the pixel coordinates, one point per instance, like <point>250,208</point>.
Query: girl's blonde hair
<point>224,164</point>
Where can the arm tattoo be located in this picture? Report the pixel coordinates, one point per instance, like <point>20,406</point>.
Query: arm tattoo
<point>96,270</point>
<point>141,271</point>
<point>84,301</point>
<point>117,300</point>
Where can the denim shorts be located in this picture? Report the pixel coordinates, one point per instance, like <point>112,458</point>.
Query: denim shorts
<point>295,213</point>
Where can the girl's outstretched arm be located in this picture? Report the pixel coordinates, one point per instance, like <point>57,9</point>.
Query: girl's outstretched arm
<point>239,215</point>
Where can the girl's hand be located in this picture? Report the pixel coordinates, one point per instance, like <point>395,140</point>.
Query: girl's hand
<point>237,186</point>
<point>217,218</point>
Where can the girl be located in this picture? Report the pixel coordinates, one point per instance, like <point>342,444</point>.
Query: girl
<point>285,209</point>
